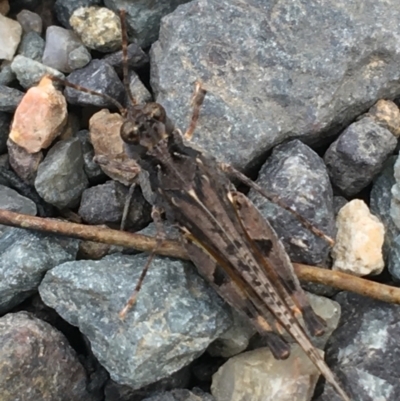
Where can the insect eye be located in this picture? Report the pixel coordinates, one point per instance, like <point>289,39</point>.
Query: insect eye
<point>130,132</point>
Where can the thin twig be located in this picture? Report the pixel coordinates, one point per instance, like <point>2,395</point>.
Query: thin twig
<point>144,243</point>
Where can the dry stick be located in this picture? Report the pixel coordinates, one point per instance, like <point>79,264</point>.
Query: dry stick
<point>144,243</point>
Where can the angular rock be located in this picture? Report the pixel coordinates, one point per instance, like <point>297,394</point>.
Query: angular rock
<point>10,35</point>
<point>12,200</point>
<point>296,174</point>
<point>175,317</point>
<point>43,109</point>
<point>281,79</point>
<point>37,362</point>
<point>359,240</point>
<point>9,98</point>
<point>61,179</point>
<point>137,58</point>
<point>387,114</point>
<point>32,46</point>
<point>364,350</point>
<point>98,76</point>
<point>30,72</point>
<point>79,58</point>
<point>30,21</point>
<point>139,92</point>
<point>64,9</point>
<point>98,27</point>
<point>6,73</point>
<point>358,155</point>
<point>25,257</point>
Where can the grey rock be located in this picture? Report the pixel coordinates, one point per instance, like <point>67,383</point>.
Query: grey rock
<point>175,317</point>
<point>25,257</point>
<point>92,169</point>
<point>98,76</point>
<point>364,350</point>
<point>296,174</point>
<point>358,155</point>
<point>32,351</point>
<point>29,72</point>
<point>13,201</point>
<point>395,193</point>
<point>9,98</point>
<point>32,46</point>
<point>6,73</point>
<point>138,90</point>
<point>273,71</point>
<point>30,21</point>
<point>60,178</point>
<point>10,36</point>
<point>394,258</point>
<point>64,9</point>
<point>338,203</point>
<point>5,121</point>
<point>137,58</point>
<point>60,42</point>
<point>104,204</point>
<point>181,395</point>
<point>380,199</point>
<point>78,58</point>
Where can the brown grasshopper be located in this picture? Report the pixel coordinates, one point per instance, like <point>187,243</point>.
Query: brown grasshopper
<point>234,248</point>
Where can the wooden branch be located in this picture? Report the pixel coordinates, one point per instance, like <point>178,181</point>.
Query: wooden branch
<point>144,243</point>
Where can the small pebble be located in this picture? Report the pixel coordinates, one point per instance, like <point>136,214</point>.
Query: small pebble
<point>138,90</point>
<point>78,58</point>
<point>30,21</point>
<point>6,73</point>
<point>98,27</point>
<point>32,46</point>
<point>42,110</point>
<point>10,36</point>
<point>387,114</point>
<point>359,241</point>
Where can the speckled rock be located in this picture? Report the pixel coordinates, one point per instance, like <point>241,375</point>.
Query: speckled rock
<point>37,362</point>
<point>64,9</point>
<point>32,46</point>
<point>175,318</point>
<point>387,114</point>
<point>12,200</point>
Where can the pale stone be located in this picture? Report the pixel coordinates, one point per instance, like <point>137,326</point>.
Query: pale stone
<point>359,241</point>
<point>387,114</point>
<point>258,376</point>
<point>39,118</point>
<point>10,36</point>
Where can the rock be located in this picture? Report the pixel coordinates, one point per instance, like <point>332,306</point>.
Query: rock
<point>297,175</point>
<point>281,79</point>
<point>10,35</point>
<point>6,74</point>
<point>144,18</point>
<point>98,76</point>
<point>359,241</point>
<point>106,140</point>
<point>5,121</point>
<point>104,204</point>
<point>358,155</point>
<point>37,362</point>
<point>364,350</point>
<point>138,90</point>
<point>4,7</point>
<point>30,72</point>
<point>395,192</point>
<point>43,109</point>
<point>181,395</point>
<point>32,46</point>
<point>64,9</point>
<point>98,27</point>
<point>137,58</point>
<point>394,259</point>
<point>25,257</point>
<point>175,318</point>
<point>338,203</point>
<point>271,380</point>
<point>78,58</point>
<point>61,179</point>
<point>12,200</point>
<point>30,21</point>
<point>387,114</point>
<point>9,98</point>
<point>60,43</point>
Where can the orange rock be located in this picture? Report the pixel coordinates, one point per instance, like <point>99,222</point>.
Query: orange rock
<point>39,118</point>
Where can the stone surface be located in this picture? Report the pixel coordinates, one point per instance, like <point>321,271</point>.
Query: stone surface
<point>256,375</point>
<point>98,27</point>
<point>394,259</point>
<point>5,121</point>
<point>32,46</point>
<point>358,155</point>
<point>61,179</point>
<point>296,174</point>
<point>104,204</point>
<point>359,240</point>
<point>6,73</point>
<point>12,200</point>
<point>43,109</point>
<point>98,76</point>
<point>37,362</point>
<point>25,257</point>
<point>175,318</point>
<point>387,114</point>
<point>30,72</point>
<point>60,42</point>
<point>137,58</point>
<point>273,70</point>
<point>139,92</point>
<point>78,58</point>
<point>9,98</point>
<point>181,395</point>
<point>395,192</point>
<point>64,9</point>
<point>364,351</point>
<point>143,18</point>
<point>30,21</point>
<point>10,35</point>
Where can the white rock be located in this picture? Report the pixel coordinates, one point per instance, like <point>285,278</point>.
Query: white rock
<point>10,36</point>
<point>358,248</point>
